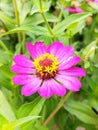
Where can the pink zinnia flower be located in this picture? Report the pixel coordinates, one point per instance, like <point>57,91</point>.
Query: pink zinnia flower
<point>50,71</point>
<point>74,9</point>
<point>96,1</point>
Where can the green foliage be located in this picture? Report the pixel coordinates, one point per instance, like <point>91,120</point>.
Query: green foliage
<point>82,111</point>
<point>8,21</point>
<point>5,108</point>
<point>32,108</point>
<point>74,18</point>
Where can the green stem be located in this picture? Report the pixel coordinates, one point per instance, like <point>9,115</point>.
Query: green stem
<point>16,12</point>
<point>45,20</point>
<point>61,103</point>
<point>17,18</point>
<point>4,46</point>
<point>23,37</point>
<point>60,17</point>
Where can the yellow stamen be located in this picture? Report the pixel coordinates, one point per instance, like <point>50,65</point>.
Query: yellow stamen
<point>46,66</point>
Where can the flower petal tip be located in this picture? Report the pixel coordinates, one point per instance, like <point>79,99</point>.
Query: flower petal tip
<point>29,44</point>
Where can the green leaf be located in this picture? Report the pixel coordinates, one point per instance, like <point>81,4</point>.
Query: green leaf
<point>93,5</point>
<point>35,19</point>
<point>24,10</point>
<point>5,108</point>
<point>5,72</point>
<point>36,6</point>
<point>61,120</point>
<point>60,27</point>
<point>38,30</point>
<point>5,69</point>
<point>87,8</point>
<point>93,102</point>
<point>8,21</point>
<point>32,108</point>
<point>5,82</point>
<point>34,10</point>
<point>23,120</point>
<point>47,40</point>
<point>6,7</point>
<point>82,111</point>
<point>75,28</point>
<point>18,122</point>
<point>40,127</point>
<point>91,82</point>
<point>4,57</point>
<point>89,49</point>
<point>2,121</point>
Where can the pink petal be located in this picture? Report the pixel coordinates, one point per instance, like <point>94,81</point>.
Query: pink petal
<point>95,1</point>
<point>67,52</point>
<point>50,87</point>
<point>74,10</point>
<point>32,87</point>
<point>55,47</point>
<point>58,89</point>
<point>61,52</point>
<point>71,83</point>
<point>37,49</point>
<point>23,61</point>
<point>68,63</point>
<point>21,79</point>
<point>45,90</point>
<point>74,71</point>
<point>23,70</point>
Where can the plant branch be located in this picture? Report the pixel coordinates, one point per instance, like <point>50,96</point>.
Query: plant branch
<point>45,20</point>
<point>61,103</point>
<point>4,47</point>
<point>17,18</point>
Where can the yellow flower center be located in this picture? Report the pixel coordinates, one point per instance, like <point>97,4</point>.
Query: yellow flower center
<point>46,66</point>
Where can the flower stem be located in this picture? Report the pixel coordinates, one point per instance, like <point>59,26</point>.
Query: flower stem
<point>57,108</point>
<point>16,12</point>
<point>18,24</point>
<point>3,46</point>
<point>17,18</point>
<point>45,20</point>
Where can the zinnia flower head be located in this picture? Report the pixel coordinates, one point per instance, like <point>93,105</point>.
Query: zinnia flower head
<point>51,70</point>
<point>74,10</point>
